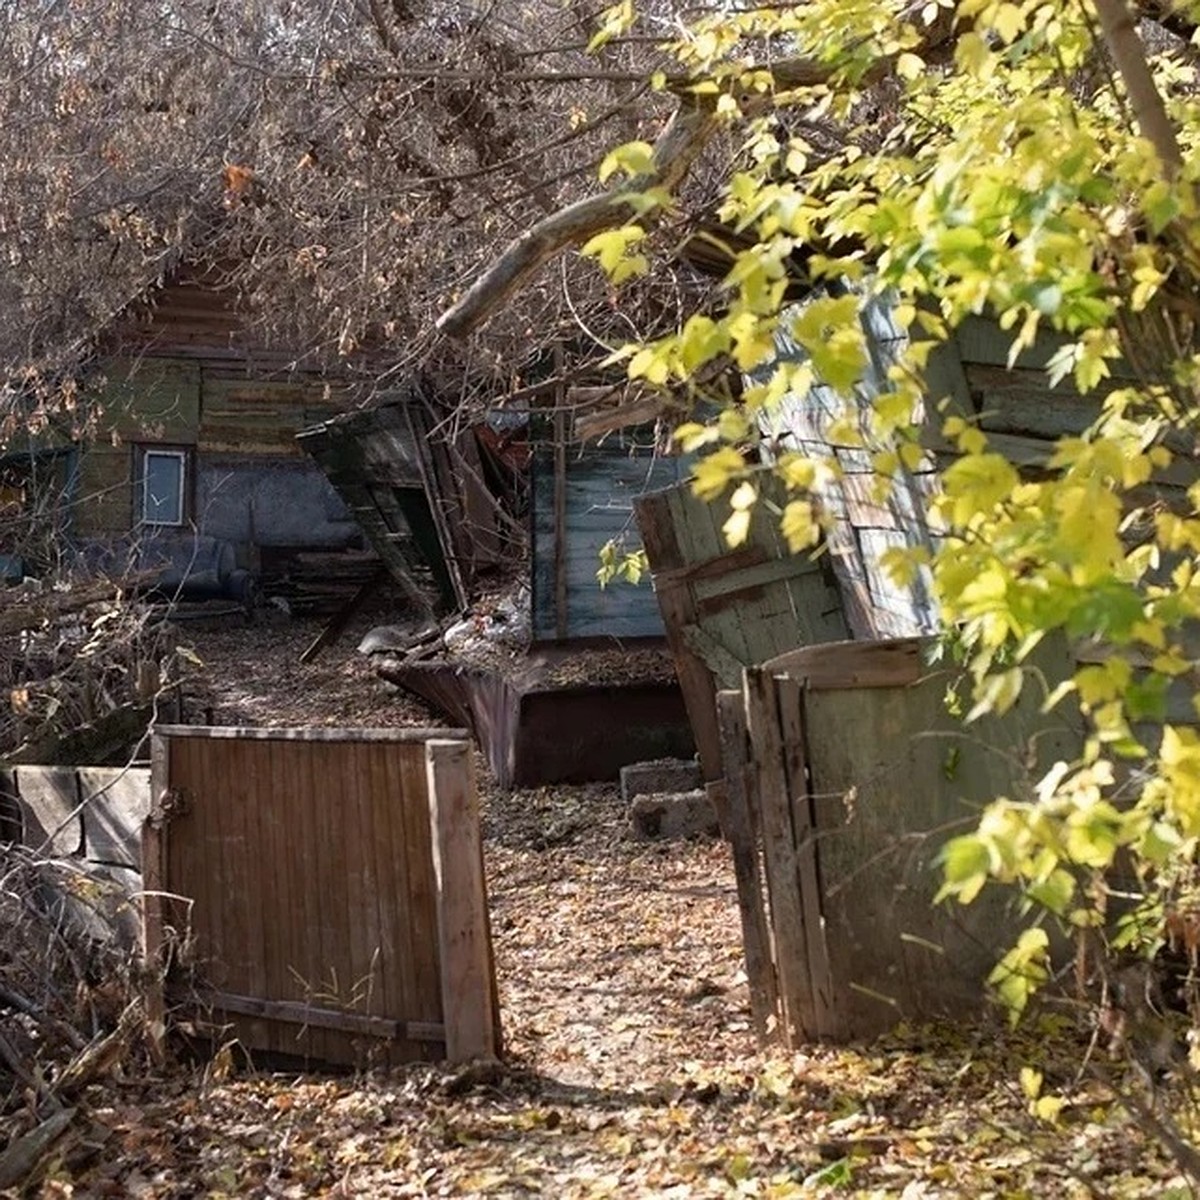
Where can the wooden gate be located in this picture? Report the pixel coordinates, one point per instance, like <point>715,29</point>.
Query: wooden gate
<point>844,776</point>
<point>321,891</point>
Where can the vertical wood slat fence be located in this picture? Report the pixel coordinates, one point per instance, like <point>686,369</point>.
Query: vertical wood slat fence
<point>844,775</point>
<point>324,890</point>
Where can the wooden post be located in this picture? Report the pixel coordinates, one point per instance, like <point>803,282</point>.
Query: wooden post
<point>678,608</point>
<point>561,623</point>
<point>790,698</point>
<point>154,886</point>
<point>779,855</point>
<point>468,989</point>
<point>731,797</point>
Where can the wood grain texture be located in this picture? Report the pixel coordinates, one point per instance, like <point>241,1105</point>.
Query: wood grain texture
<point>727,609</point>
<point>732,799</point>
<point>467,975</point>
<point>797,1011</point>
<point>309,883</point>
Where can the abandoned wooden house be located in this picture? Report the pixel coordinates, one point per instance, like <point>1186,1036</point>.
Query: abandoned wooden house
<point>190,454</point>
<point>443,506</point>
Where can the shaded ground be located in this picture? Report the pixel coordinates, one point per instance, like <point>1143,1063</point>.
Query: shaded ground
<point>632,1068</point>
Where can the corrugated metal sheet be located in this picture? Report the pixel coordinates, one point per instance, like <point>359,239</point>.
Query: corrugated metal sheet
<point>600,486</point>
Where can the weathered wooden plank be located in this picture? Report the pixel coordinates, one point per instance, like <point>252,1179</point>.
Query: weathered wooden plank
<point>281,896</point>
<point>259,733</point>
<point>561,543</point>
<point>116,803</point>
<point>292,1012</point>
<point>798,1013</point>
<point>852,664</point>
<point>661,540</point>
<point>710,568</point>
<point>414,949</point>
<point>462,903</point>
<point>980,340</point>
<point>730,797</point>
<point>790,696</point>
<point>49,800</point>
<point>790,567</point>
<point>892,776</point>
<point>726,669</point>
<point>154,886</point>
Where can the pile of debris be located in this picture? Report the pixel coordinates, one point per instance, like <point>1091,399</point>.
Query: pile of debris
<point>319,584</point>
<point>83,668</point>
<point>70,1016</point>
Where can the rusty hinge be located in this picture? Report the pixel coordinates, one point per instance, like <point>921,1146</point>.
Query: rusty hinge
<point>171,803</point>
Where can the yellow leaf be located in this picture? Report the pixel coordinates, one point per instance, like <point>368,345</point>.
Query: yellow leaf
<point>744,496</point>
<point>714,473</point>
<point>798,526</point>
<point>737,527</point>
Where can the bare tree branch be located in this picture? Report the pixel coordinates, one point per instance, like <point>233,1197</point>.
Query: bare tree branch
<point>1121,36</point>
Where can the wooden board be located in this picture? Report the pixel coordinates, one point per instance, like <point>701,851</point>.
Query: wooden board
<point>308,872</point>
<point>727,609</point>
<point>581,498</point>
<point>732,798</point>
<point>49,800</point>
<point>892,775</point>
<point>116,803</point>
<point>467,974</point>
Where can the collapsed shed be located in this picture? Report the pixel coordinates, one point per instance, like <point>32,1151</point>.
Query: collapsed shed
<point>820,721</point>
<point>559,679</point>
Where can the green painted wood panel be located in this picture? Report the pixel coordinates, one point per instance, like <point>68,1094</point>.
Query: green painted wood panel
<point>149,399</point>
<point>892,776</point>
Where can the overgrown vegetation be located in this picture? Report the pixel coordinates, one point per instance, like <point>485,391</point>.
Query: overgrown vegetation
<point>1036,164</point>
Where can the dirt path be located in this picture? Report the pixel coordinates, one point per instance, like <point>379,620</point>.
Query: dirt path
<point>632,1070</point>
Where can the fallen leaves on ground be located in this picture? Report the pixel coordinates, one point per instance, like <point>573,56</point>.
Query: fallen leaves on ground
<point>631,1071</point>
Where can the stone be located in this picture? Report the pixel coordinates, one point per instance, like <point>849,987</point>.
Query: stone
<point>659,776</point>
<point>673,815</point>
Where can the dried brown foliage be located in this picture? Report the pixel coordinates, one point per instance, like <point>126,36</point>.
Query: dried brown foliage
<point>349,166</point>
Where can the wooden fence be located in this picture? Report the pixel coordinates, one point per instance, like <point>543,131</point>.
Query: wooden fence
<point>845,774</point>
<point>321,891</point>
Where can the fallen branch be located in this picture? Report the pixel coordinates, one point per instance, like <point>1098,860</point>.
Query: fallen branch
<point>21,1156</point>
<point>677,148</point>
<point>101,1053</point>
<point>32,614</point>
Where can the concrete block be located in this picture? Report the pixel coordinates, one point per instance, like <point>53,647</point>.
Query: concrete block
<point>661,775</point>
<point>673,815</point>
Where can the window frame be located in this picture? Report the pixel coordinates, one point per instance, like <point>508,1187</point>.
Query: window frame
<point>182,456</point>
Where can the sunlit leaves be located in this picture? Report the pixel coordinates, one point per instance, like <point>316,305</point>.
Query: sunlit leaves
<point>611,249</point>
<point>1008,185</point>
<point>1021,972</point>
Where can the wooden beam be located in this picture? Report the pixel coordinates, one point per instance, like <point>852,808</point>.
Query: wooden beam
<point>561,614</point>
<point>296,1012</point>
<point>468,982</point>
<point>790,699</point>
<point>799,1018</point>
<point>678,610</point>
<point>154,897</point>
<point>262,734</point>
<point>336,624</point>
<point>832,665</point>
<point>731,798</point>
